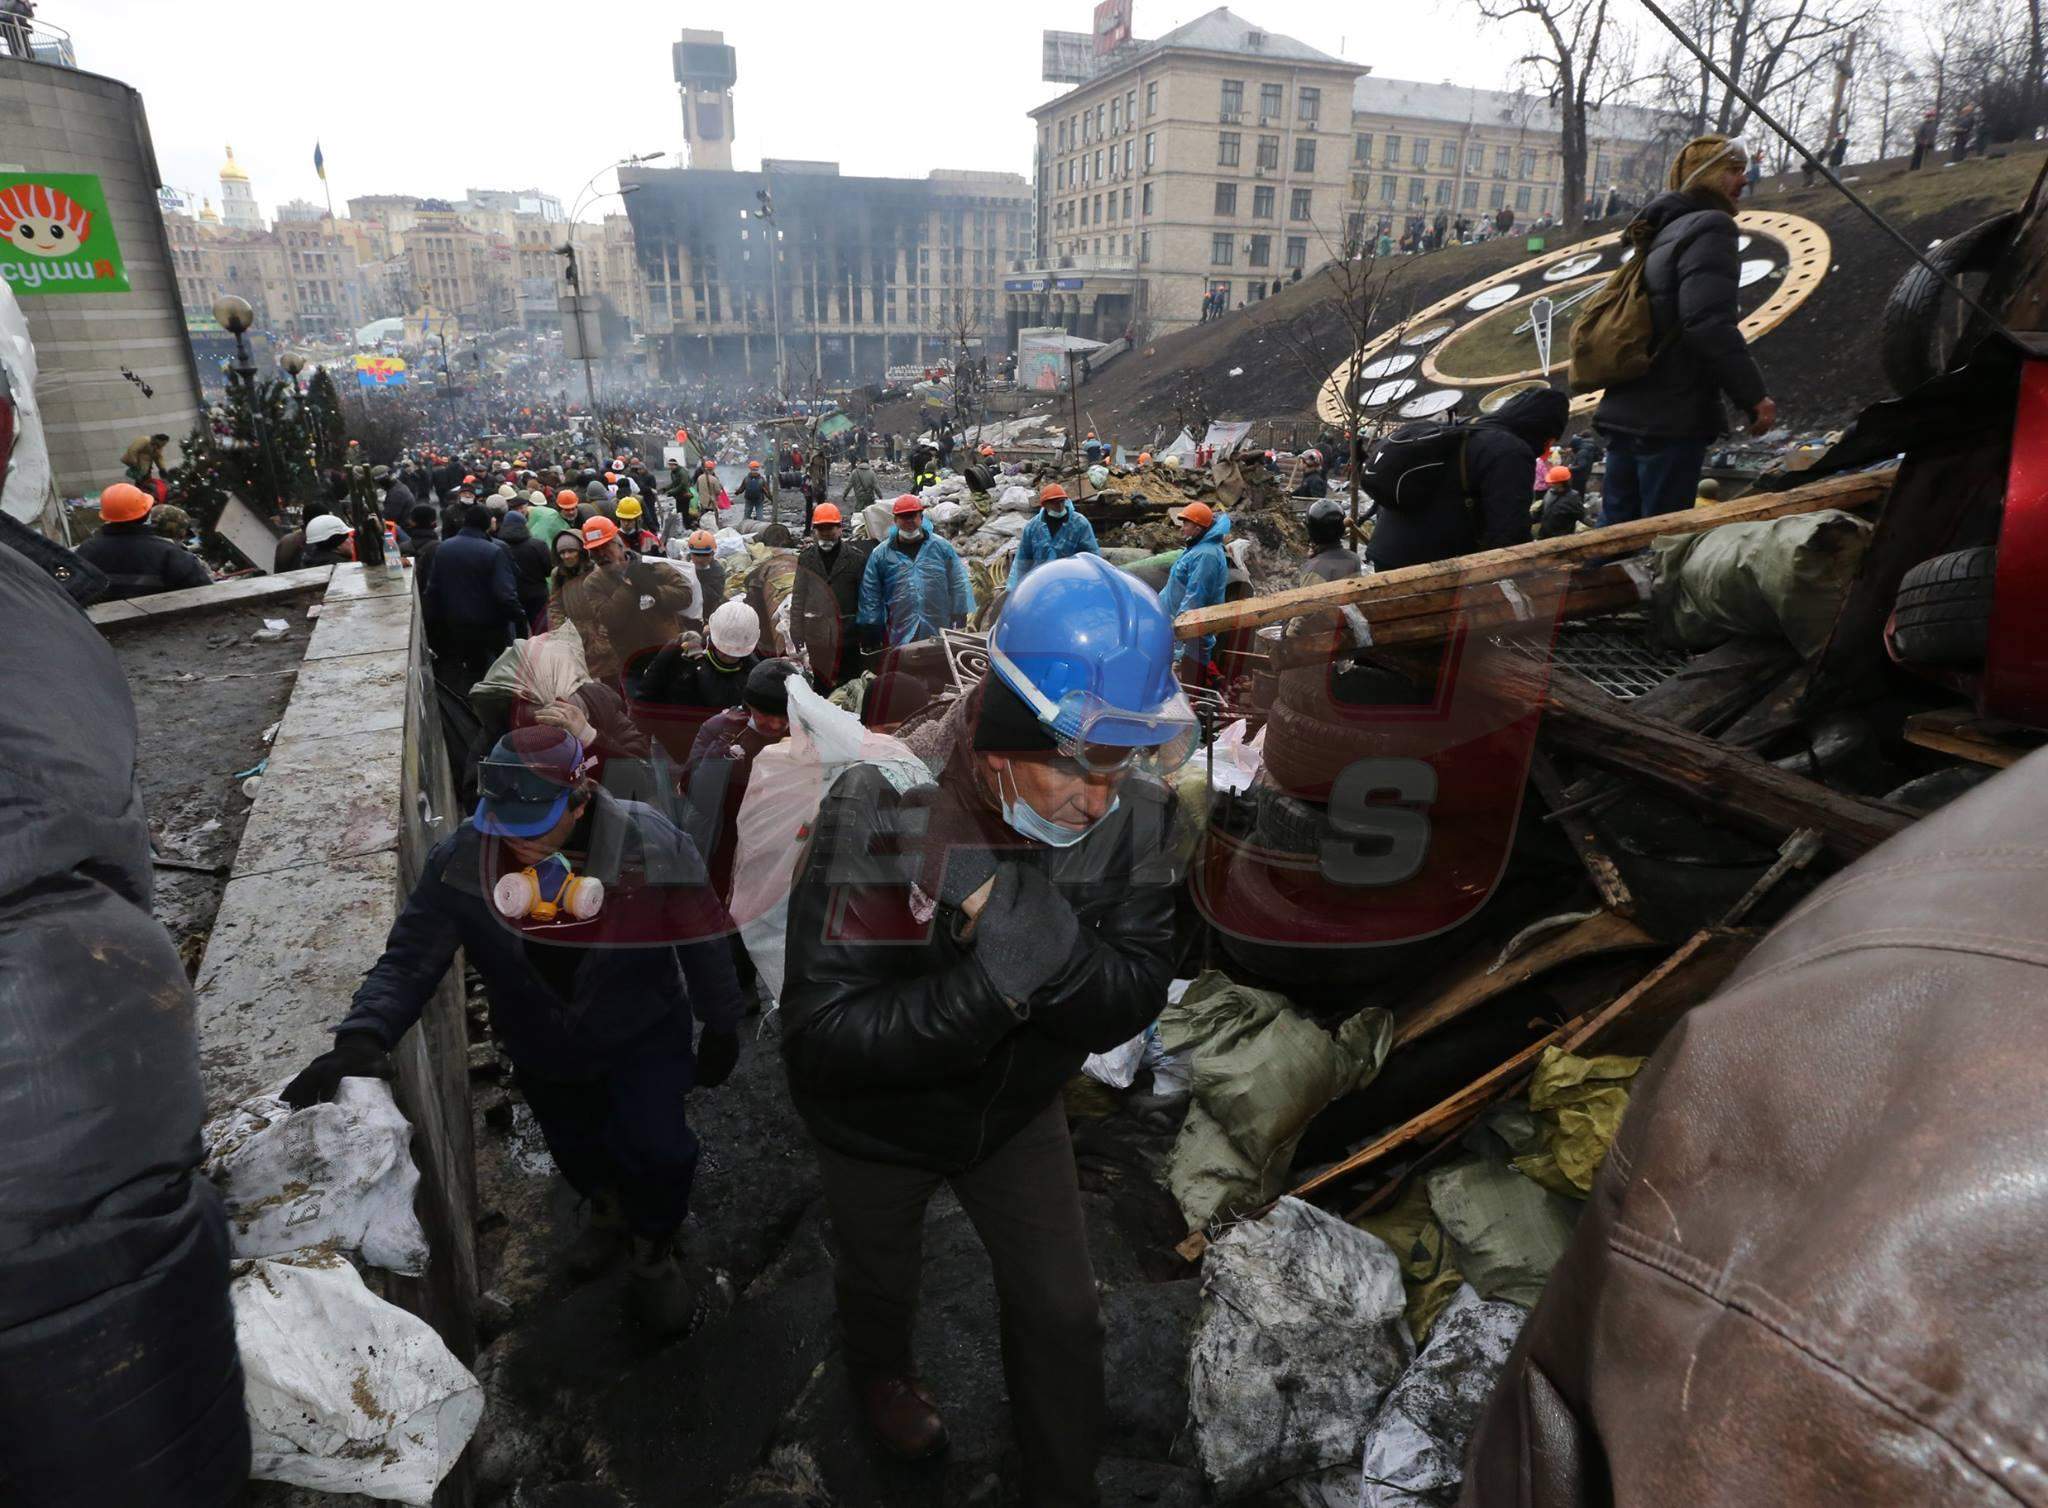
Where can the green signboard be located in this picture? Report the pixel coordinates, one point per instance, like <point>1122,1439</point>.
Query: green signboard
<point>56,235</point>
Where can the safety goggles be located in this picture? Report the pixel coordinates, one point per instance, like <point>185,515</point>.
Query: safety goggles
<point>1099,739</point>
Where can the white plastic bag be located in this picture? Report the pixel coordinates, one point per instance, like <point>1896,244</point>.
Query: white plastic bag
<point>1415,1450</point>
<point>729,544</point>
<point>1238,760</point>
<point>1017,499</point>
<point>345,1392</point>
<point>338,1175</point>
<point>788,785</point>
<point>1119,1065</point>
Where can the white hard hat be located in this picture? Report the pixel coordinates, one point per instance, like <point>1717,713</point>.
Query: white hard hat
<point>735,629</point>
<point>327,526</point>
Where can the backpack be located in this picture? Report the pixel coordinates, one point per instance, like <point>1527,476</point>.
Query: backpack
<point>1407,469</point>
<point>753,489</point>
<point>1615,336</point>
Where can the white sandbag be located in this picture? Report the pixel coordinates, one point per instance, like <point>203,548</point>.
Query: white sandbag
<point>1300,1307</point>
<point>1238,760</point>
<point>1018,499</point>
<point>784,792</point>
<point>345,1392</point>
<point>1007,525</point>
<point>1415,1449</point>
<point>729,544</point>
<point>338,1175</point>
<point>944,515</point>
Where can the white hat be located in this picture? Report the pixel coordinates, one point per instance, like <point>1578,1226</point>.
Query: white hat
<point>538,498</point>
<point>327,526</point>
<point>505,489</point>
<point>735,629</point>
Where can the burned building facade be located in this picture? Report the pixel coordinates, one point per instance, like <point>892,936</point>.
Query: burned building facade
<point>858,274</point>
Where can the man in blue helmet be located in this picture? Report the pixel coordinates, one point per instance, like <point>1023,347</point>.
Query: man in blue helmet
<point>1198,580</point>
<point>955,951</point>
<point>1055,532</point>
<point>914,584</point>
<point>592,989</point>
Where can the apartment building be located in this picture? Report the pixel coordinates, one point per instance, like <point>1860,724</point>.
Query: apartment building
<point>1214,159</point>
<point>1419,149</point>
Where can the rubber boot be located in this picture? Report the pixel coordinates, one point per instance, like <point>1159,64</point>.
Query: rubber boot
<point>659,1296</point>
<point>600,1241</point>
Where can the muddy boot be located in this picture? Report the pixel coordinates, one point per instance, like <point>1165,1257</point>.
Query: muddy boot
<point>600,1241</point>
<point>904,1417</point>
<point>659,1296</point>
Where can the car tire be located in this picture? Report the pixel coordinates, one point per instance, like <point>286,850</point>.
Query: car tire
<point>1919,298</point>
<point>1942,615</point>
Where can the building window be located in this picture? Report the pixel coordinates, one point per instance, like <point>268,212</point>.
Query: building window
<point>1233,98</point>
<point>1469,199</point>
<point>1131,110</point>
<point>1387,190</point>
<point>1098,162</point>
<point>1272,100</point>
<point>1127,204</point>
<point>1151,154</point>
<point>1447,156</point>
<point>1543,204</point>
<point>1497,196</point>
<point>1063,136</point>
<point>1309,104</point>
<point>1522,199</point>
<point>1528,164</point>
<point>1600,169</point>
<point>1475,157</point>
<point>1261,254</point>
<point>1500,162</point>
<point>1298,205</point>
<point>1098,207</point>
<point>1228,147</point>
<point>1151,100</point>
<point>1393,150</point>
<point>1418,152</point>
<point>1100,111</point>
<point>1269,152</point>
<point>1087,129</point>
<point>1297,251</point>
<point>1226,198</point>
<point>1262,202</point>
<point>1060,177</point>
<point>1361,147</point>
<point>1130,153</point>
<point>1116,115</point>
<point>1305,154</point>
<point>1145,240</point>
<point>1443,192</point>
<point>1219,248</point>
<point>1417,192</point>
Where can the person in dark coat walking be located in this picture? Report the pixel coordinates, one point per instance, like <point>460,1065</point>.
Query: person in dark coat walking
<point>138,561</point>
<point>423,542</point>
<point>530,566</point>
<point>1482,503</point>
<point>1658,426</point>
<point>472,606</point>
<point>591,995</point>
<point>826,598</point>
<point>1925,138</point>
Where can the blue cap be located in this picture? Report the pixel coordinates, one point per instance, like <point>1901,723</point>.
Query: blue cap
<point>525,782</point>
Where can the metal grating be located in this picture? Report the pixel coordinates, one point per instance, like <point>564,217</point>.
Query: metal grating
<point>1617,655</point>
<point>967,663</point>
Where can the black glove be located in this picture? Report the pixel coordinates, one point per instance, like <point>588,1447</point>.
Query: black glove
<point>717,1054</point>
<point>356,1055</point>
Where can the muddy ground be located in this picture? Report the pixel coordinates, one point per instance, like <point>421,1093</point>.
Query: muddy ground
<point>205,690</point>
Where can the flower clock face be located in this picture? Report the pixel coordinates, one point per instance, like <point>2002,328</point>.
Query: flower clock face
<point>41,221</point>
<point>1468,353</point>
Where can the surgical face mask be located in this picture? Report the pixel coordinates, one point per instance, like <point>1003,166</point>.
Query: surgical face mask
<point>1056,515</point>
<point>1026,821</point>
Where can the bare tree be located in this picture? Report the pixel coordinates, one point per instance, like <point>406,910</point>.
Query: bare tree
<point>1768,47</point>
<point>1582,62</point>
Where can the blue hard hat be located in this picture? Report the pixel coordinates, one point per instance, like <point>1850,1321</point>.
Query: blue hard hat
<point>525,781</point>
<point>1090,650</point>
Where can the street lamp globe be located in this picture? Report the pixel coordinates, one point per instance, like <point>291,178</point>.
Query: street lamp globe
<point>293,362</point>
<point>233,313</point>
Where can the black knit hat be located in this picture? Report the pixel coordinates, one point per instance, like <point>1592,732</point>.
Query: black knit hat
<point>767,689</point>
<point>1004,723</point>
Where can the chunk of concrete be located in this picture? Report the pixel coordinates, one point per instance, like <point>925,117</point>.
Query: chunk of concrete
<point>325,799</point>
<point>363,625</point>
<point>351,694</point>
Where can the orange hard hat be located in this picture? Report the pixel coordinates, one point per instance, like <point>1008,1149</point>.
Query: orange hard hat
<point>825,513</point>
<point>1559,475</point>
<point>598,531</point>
<point>701,542</point>
<point>467,480</point>
<point>123,503</point>
<point>1050,491</point>
<point>753,465</point>
<point>682,437</point>
<point>1144,458</point>
<point>908,503</point>
<point>988,450</point>
<point>567,497</point>
<point>611,476</point>
<point>1200,514</point>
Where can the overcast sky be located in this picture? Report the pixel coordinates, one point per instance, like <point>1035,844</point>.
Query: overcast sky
<point>433,97</point>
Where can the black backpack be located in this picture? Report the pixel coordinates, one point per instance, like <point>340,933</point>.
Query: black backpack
<point>1407,469</point>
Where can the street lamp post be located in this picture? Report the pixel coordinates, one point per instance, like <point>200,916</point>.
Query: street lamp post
<point>572,272</point>
<point>235,316</point>
<point>773,237</point>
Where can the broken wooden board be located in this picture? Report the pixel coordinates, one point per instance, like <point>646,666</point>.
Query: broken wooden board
<point>1982,740</point>
<point>1485,977</point>
<point>1537,558</point>
<point>1584,837</point>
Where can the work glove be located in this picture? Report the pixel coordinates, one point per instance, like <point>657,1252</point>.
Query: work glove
<point>954,858</point>
<point>718,1052</point>
<point>356,1055</point>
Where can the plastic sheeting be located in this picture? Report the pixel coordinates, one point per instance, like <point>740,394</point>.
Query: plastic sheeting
<point>1782,578</point>
<point>30,484</point>
<point>1261,1071</point>
<point>1415,1448</point>
<point>338,1175</point>
<point>1299,1339</point>
<point>1578,1104</point>
<point>345,1392</point>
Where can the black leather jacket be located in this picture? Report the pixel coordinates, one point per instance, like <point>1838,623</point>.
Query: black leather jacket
<point>899,1046</point>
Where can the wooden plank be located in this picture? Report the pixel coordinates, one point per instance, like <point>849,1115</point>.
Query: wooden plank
<point>1538,557</point>
<point>1583,836</point>
<point>1983,740</point>
<point>1483,977</point>
<point>1585,721</point>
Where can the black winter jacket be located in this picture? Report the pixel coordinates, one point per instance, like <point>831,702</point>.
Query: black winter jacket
<point>1484,506</point>
<point>139,562</point>
<point>1693,272</point>
<point>899,1046</point>
<point>530,563</point>
<point>827,596</point>
<point>620,992</point>
<point>473,585</point>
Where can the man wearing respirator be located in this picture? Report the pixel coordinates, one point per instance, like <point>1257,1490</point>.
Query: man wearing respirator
<point>598,938</point>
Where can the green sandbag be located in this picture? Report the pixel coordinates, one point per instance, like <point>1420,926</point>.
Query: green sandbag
<point>1428,1271</point>
<point>1784,578</point>
<point>1260,1072</point>
<point>1578,1104</point>
<point>1506,1233</point>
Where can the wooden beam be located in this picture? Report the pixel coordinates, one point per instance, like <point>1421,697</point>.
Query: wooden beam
<point>1484,977</point>
<point>1583,836</point>
<point>1538,557</point>
<point>1982,740</point>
